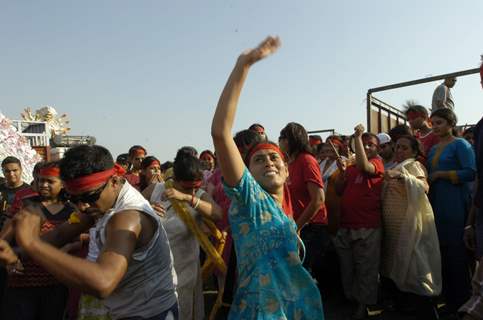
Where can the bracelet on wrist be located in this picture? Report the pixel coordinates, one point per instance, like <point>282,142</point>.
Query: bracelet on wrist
<point>470,226</point>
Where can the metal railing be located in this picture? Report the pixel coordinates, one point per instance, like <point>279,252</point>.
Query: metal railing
<point>382,116</point>
<point>34,131</point>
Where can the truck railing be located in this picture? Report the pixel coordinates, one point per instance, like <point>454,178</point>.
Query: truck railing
<point>34,131</point>
<point>381,116</point>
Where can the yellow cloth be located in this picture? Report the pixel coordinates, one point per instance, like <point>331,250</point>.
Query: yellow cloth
<point>214,258</point>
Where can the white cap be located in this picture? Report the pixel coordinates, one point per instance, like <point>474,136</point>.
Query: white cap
<point>383,138</point>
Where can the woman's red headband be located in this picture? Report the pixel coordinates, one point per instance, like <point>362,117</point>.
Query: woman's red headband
<point>262,146</point>
<point>195,184</point>
<point>314,141</point>
<point>153,163</point>
<point>336,142</point>
<point>206,156</point>
<point>139,152</point>
<point>88,182</point>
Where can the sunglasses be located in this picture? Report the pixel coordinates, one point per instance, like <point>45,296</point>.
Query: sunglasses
<point>89,198</point>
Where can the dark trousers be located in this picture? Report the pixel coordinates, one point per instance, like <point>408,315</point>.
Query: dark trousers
<point>230,286</point>
<point>421,307</point>
<point>456,275</point>
<point>316,240</point>
<point>3,284</point>
<point>34,303</point>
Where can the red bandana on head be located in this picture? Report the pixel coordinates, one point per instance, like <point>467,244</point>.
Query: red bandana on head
<point>313,141</point>
<point>261,146</point>
<point>50,172</point>
<point>89,182</point>
<point>206,156</point>
<point>259,130</point>
<point>154,163</point>
<point>336,142</point>
<point>195,184</point>
<point>139,152</point>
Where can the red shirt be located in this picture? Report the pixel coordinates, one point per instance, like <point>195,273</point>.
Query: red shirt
<point>303,170</point>
<point>361,200</point>
<point>428,141</point>
<point>133,180</point>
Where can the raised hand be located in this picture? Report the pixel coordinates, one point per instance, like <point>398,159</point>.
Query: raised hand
<point>341,164</point>
<point>264,49</point>
<point>359,130</point>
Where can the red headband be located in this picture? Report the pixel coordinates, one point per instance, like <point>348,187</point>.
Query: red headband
<point>84,183</point>
<point>195,184</point>
<point>336,142</point>
<point>314,141</point>
<point>153,163</point>
<point>413,115</point>
<point>139,152</point>
<point>50,172</point>
<point>258,129</point>
<point>206,156</point>
<point>261,146</point>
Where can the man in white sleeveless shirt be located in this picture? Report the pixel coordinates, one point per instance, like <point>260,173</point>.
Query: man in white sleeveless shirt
<point>134,270</point>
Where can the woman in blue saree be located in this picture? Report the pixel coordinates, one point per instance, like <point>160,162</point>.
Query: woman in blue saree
<point>451,166</point>
<point>272,284</point>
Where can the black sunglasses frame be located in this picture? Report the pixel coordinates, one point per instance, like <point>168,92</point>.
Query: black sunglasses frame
<point>89,198</point>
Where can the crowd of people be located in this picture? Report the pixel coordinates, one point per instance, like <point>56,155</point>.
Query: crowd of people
<point>392,219</point>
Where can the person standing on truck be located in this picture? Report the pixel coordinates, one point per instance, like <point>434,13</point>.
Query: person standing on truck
<point>442,97</point>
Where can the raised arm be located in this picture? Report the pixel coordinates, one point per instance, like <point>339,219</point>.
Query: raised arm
<point>362,162</point>
<point>228,156</point>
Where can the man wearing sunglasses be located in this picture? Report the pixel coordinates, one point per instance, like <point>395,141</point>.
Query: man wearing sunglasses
<point>134,271</point>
